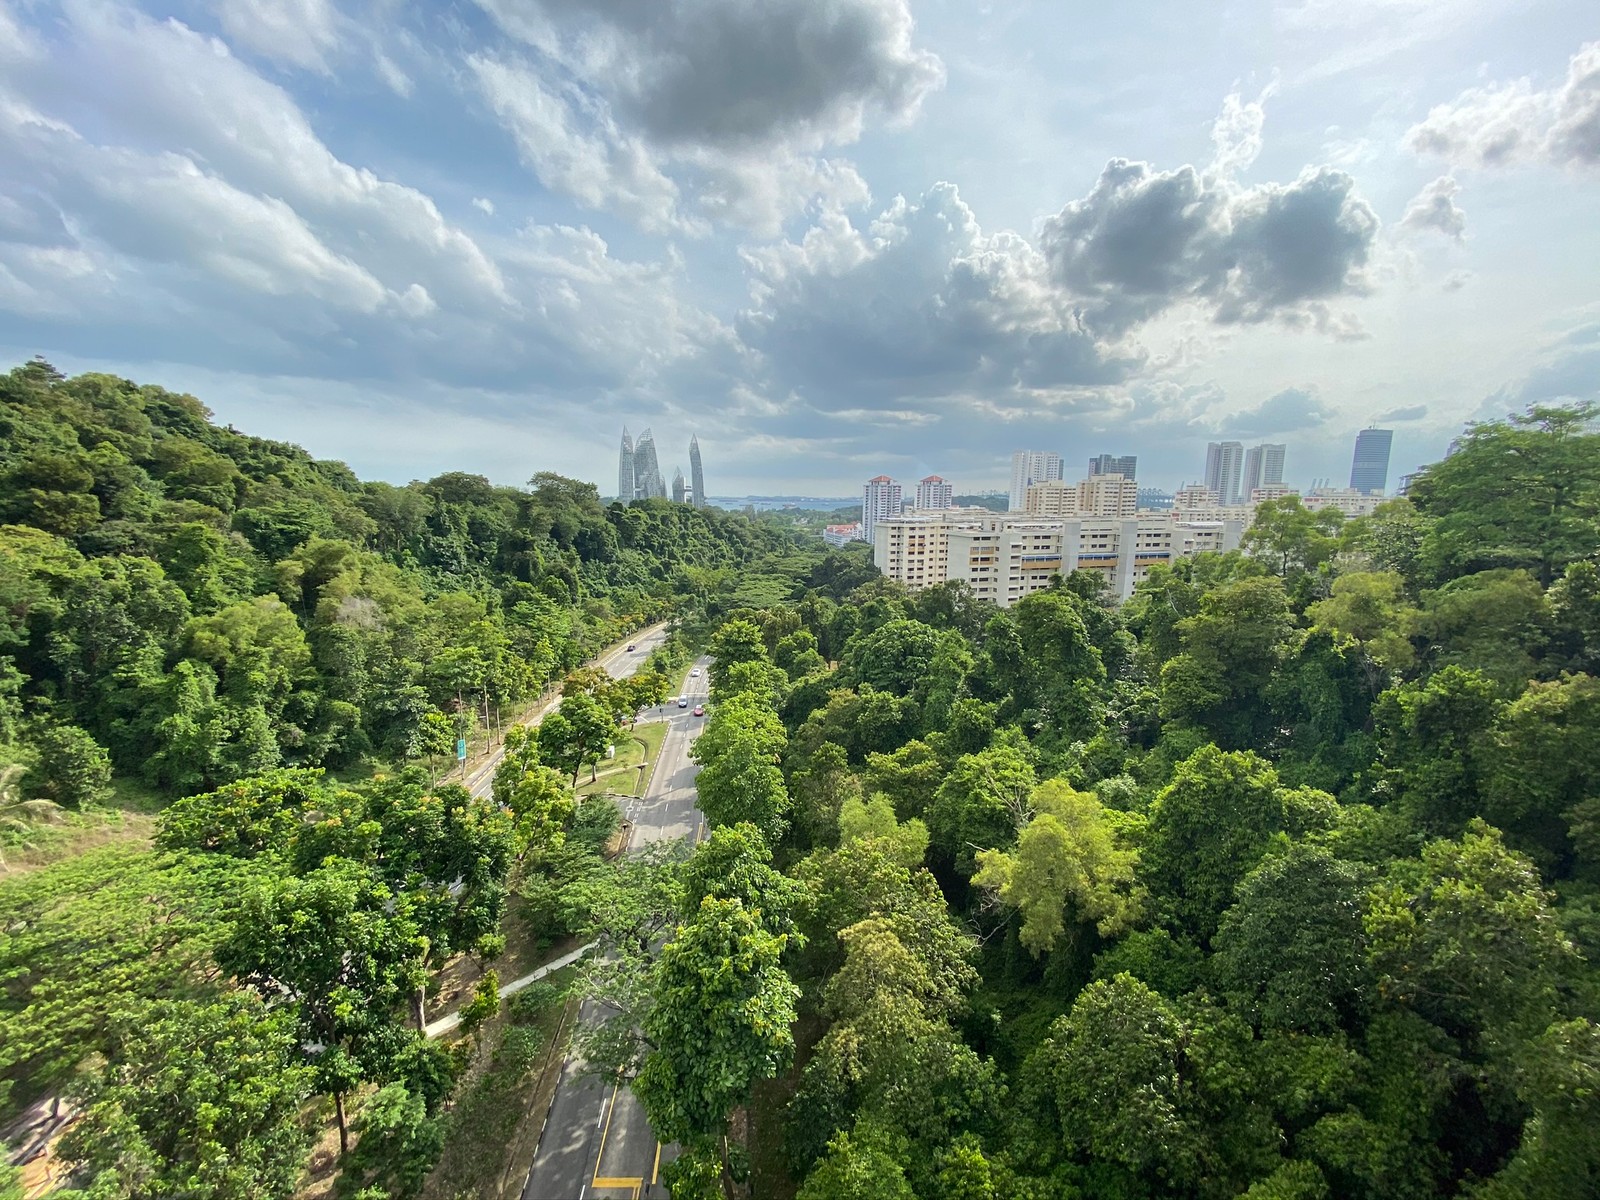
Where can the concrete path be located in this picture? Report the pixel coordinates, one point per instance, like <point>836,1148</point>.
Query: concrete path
<point>450,1020</point>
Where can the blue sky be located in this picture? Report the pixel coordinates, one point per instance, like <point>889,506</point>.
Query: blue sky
<point>830,237</point>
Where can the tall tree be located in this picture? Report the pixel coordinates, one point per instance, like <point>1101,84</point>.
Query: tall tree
<point>196,1099</point>
<point>722,1020</point>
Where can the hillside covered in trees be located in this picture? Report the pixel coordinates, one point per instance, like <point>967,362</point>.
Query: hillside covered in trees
<point>1281,881</point>
<point>197,605</point>
<point>191,614</point>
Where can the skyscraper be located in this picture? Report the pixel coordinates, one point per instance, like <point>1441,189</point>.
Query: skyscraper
<point>697,477</point>
<point>1369,466</point>
<point>646,473</point>
<point>1125,465</point>
<point>625,482</point>
<point>1029,467</point>
<point>677,486</point>
<point>934,492</point>
<point>880,499</point>
<point>1224,470</point>
<point>1263,467</point>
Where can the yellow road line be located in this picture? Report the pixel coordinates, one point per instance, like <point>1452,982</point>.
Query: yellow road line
<point>633,1183</point>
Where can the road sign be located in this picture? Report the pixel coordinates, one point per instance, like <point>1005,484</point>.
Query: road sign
<point>461,749</point>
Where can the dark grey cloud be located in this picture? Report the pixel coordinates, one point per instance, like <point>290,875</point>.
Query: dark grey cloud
<point>1506,124</point>
<point>922,307</point>
<point>1434,208</point>
<point>728,72</point>
<point>1144,240</point>
<point>1395,416</point>
<point>731,98</point>
<point>1288,411</point>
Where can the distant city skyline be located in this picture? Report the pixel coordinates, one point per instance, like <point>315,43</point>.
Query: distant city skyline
<point>640,476</point>
<point>902,236</point>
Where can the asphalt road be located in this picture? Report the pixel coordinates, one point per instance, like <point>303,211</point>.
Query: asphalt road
<point>620,663</point>
<point>596,1141</point>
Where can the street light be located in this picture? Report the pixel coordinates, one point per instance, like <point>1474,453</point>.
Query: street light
<point>638,788</point>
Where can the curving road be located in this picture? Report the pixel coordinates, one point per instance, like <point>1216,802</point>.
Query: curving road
<point>596,1140</point>
<point>619,662</point>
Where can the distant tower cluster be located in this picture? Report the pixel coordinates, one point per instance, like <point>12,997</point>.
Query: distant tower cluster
<point>697,475</point>
<point>1029,467</point>
<point>1126,465</point>
<point>1263,466</point>
<point>1369,466</point>
<point>639,474</point>
<point>880,500</point>
<point>935,491</point>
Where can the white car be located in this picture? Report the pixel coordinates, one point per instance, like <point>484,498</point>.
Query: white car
<point>695,674</point>
<point>683,702</point>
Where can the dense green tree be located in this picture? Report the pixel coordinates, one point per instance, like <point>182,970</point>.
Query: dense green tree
<point>71,768</point>
<point>1434,739</point>
<point>331,943</point>
<point>1465,937</point>
<point>721,1021</point>
<point>1208,828</point>
<point>1291,539</point>
<point>981,804</point>
<point>197,1099</point>
<point>1519,493</point>
<point>1232,650</point>
<point>857,1166</point>
<point>739,778</point>
<point>1291,950</point>
<point>576,734</point>
<point>1070,866</point>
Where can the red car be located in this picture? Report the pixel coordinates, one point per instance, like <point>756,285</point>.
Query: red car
<point>699,710</point>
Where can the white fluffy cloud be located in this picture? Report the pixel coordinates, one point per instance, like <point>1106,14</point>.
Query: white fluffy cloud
<point>623,105</point>
<point>1144,240</point>
<point>922,305</point>
<point>245,236</point>
<point>296,33</point>
<point>1516,122</point>
<point>1435,208</point>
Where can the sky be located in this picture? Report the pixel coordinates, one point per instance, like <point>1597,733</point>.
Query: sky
<point>832,238</point>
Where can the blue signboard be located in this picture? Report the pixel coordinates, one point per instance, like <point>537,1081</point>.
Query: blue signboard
<point>461,749</point>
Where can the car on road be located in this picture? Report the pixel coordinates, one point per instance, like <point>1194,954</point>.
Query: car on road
<point>683,702</point>
<point>695,674</point>
<point>630,647</point>
<point>699,710</point>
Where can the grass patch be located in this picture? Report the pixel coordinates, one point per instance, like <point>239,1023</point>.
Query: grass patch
<point>127,816</point>
<point>621,774</point>
<point>496,1099</point>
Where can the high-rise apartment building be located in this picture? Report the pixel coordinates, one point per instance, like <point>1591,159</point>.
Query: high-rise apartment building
<point>1225,470</point>
<point>1369,466</point>
<point>647,481</point>
<point>1110,495</point>
<point>1125,465</point>
<point>1054,498</point>
<point>1096,496</point>
<point>1029,467</point>
<point>697,476</point>
<point>880,500</point>
<point>934,492</point>
<point>678,486</point>
<point>1263,468</point>
<point>1007,557</point>
<point>625,483</point>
